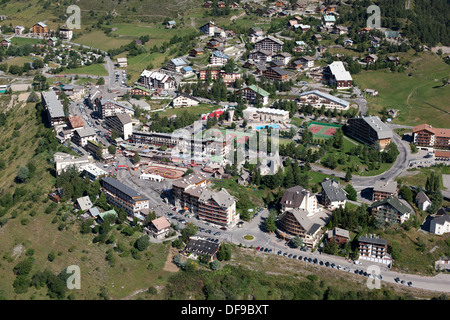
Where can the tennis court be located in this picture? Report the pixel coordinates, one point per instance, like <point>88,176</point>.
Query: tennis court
<point>322,130</point>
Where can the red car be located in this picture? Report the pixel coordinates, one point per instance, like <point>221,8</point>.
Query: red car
<point>257,248</point>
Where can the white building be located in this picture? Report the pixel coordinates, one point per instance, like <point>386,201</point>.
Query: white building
<point>422,201</point>
<point>340,77</point>
<point>440,223</point>
<point>265,114</point>
<point>63,161</point>
<point>81,136</point>
<point>298,197</point>
<point>184,100</point>
<point>122,62</point>
<point>317,99</point>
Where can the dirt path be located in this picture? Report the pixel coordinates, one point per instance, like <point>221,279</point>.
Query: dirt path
<point>169,265</point>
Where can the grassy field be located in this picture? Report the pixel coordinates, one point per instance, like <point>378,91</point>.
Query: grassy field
<point>21,41</point>
<point>417,93</point>
<point>18,61</point>
<point>93,70</point>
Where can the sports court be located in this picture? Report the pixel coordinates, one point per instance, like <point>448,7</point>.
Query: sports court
<point>168,173</point>
<point>322,130</point>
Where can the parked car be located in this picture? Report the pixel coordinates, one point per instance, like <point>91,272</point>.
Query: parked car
<point>409,283</point>
<point>257,248</point>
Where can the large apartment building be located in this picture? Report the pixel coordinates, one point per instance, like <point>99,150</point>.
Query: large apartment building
<point>110,108</point>
<point>384,189</point>
<point>269,43</point>
<point>122,196</point>
<point>391,210</point>
<point>217,207</point>
<point>155,80</point>
<point>254,94</point>
<point>317,99</point>
<point>194,145</point>
<point>297,223</point>
<point>122,123</point>
<point>339,77</point>
<point>373,249</point>
<point>369,130</point>
<point>426,135</point>
<point>53,107</point>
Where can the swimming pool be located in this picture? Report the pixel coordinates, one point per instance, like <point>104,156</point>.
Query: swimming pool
<point>273,126</point>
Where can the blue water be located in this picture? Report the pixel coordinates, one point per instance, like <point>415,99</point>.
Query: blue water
<point>273,126</point>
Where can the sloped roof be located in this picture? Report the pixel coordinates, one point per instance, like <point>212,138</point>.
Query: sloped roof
<point>333,190</point>
<point>393,202</point>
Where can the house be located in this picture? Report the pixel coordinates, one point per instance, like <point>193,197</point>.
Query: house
<point>18,30</point>
<point>340,236</point>
<point>428,136</point>
<point>364,31</point>
<point>184,100</point>
<point>298,197</point>
<point>187,72</point>
<point>283,57</point>
<point>384,189</point>
<point>39,29</point>
<point>391,210</point>
<point>371,92</point>
<point>65,33</point>
<point>140,91</point>
<point>123,196</point>
<point>255,34</point>
<point>348,42</point>
<point>170,24</point>
<point>56,195</point>
<point>122,62</point>
<point>303,63</point>
<point>92,171</point>
<point>317,37</point>
<point>5,43</point>
<point>84,203</point>
<point>83,135</point>
<point>197,247</point>
<point>276,73</point>
<point>369,130</point>
<point>373,249</point>
<point>333,196</point>
<point>196,52</point>
<point>317,99</point>
<point>440,223</point>
<point>340,30</point>
<point>422,201</point>
<point>371,58</point>
<point>269,43</point>
<point>297,223</point>
<point>260,56</point>
<point>213,74</point>
<point>76,122</point>
<point>395,60</point>
<point>159,228</point>
<point>175,65</point>
<point>339,77</point>
<point>218,58</point>
<point>212,29</point>
<point>216,43</point>
<point>329,20</point>
<point>52,41</point>
<point>254,94</point>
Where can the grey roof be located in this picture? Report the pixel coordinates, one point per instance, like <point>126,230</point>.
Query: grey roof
<point>84,203</point>
<point>123,188</point>
<point>373,240</point>
<point>279,71</point>
<point>441,218</point>
<point>301,215</point>
<point>94,211</point>
<point>382,130</point>
<point>124,118</point>
<point>222,198</point>
<point>327,96</point>
<point>390,187</point>
<point>201,246</point>
<point>393,202</point>
<point>333,190</point>
<point>293,197</point>
<point>421,197</point>
<point>53,105</point>
<point>85,132</point>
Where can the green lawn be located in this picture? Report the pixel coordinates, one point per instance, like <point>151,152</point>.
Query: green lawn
<point>420,97</point>
<point>93,69</point>
<point>21,41</point>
